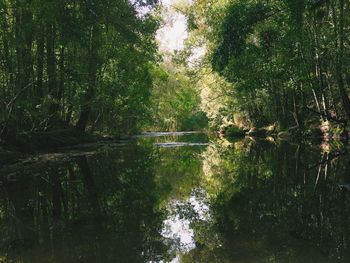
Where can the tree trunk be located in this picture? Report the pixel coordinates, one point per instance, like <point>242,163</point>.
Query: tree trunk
<point>92,71</point>
<point>340,61</point>
<point>90,187</point>
<point>40,66</point>
<point>51,70</point>
<point>62,76</point>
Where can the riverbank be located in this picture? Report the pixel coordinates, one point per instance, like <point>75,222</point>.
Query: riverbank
<point>23,145</point>
<point>324,131</point>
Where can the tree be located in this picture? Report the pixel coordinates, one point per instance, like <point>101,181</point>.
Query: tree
<point>60,59</point>
<point>284,58</point>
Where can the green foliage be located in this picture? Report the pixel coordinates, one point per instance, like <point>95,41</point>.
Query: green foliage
<point>234,131</point>
<point>238,24</point>
<point>281,58</point>
<point>65,63</point>
<point>175,100</point>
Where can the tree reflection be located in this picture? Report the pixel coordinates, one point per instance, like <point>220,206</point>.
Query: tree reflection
<point>278,203</point>
<point>91,209</point>
<point>230,202</point>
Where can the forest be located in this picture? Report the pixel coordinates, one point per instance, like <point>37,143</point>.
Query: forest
<point>82,65</point>
<point>72,69</point>
<point>286,62</point>
<point>174,131</point>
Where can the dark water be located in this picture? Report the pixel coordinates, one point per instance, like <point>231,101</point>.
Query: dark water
<point>154,200</point>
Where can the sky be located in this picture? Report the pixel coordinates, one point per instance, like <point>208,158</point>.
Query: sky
<point>172,35</point>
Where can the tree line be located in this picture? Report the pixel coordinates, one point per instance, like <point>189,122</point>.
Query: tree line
<point>82,64</point>
<point>287,61</point>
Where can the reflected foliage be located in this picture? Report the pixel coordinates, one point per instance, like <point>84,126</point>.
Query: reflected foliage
<point>276,201</point>
<point>92,209</point>
<point>242,201</point>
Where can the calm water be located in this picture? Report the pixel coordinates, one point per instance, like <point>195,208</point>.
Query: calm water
<point>180,198</point>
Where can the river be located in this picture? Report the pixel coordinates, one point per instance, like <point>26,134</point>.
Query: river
<point>179,198</point>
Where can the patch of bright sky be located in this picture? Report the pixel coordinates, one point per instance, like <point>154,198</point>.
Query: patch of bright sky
<point>179,228</point>
<point>172,35</point>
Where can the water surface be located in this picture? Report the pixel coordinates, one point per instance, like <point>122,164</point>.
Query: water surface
<point>178,198</point>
